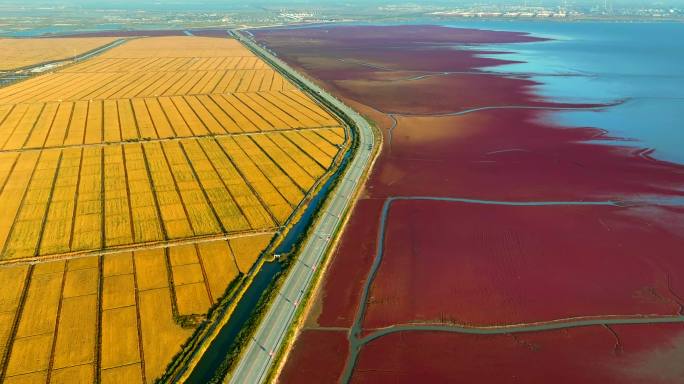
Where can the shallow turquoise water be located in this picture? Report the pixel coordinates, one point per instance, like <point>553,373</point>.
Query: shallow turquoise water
<point>642,63</point>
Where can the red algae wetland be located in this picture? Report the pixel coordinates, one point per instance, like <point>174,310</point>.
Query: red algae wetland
<point>490,244</point>
<point>589,355</point>
<point>318,347</point>
<point>505,264</point>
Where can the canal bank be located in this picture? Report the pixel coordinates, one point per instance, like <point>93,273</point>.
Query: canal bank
<point>263,349</point>
<point>219,356</point>
<point>217,342</point>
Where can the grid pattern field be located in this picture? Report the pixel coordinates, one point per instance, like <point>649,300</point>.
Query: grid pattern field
<point>54,124</point>
<point>114,317</point>
<point>18,53</point>
<point>121,165</point>
<point>141,69</point>
<point>74,86</point>
<point>136,187</point>
<point>94,198</point>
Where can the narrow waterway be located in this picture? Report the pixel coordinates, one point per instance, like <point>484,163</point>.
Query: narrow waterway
<point>220,347</point>
<point>210,362</point>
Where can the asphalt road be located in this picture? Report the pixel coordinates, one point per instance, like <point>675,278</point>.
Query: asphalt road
<point>264,345</point>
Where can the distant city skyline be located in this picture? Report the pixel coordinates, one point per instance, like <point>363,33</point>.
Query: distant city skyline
<point>35,17</point>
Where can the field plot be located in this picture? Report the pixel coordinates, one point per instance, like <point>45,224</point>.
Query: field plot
<point>109,313</point>
<point>18,53</point>
<point>592,355</point>
<point>126,167</point>
<point>135,70</point>
<point>316,348</point>
<point>137,186</point>
<point>506,265</point>
<point>88,199</point>
<point>53,124</point>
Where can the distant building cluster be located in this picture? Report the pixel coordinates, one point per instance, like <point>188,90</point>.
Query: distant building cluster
<point>22,20</point>
<point>526,13</point>
<point>605,9</point>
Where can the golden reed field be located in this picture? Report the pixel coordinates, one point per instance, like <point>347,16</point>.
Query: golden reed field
<point>18,53</point>
<point>135,187</point>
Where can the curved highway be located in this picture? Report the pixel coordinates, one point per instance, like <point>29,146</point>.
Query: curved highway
<point>257,357</point>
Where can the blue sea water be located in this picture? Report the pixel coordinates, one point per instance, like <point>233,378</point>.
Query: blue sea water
<point>641,63</point>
